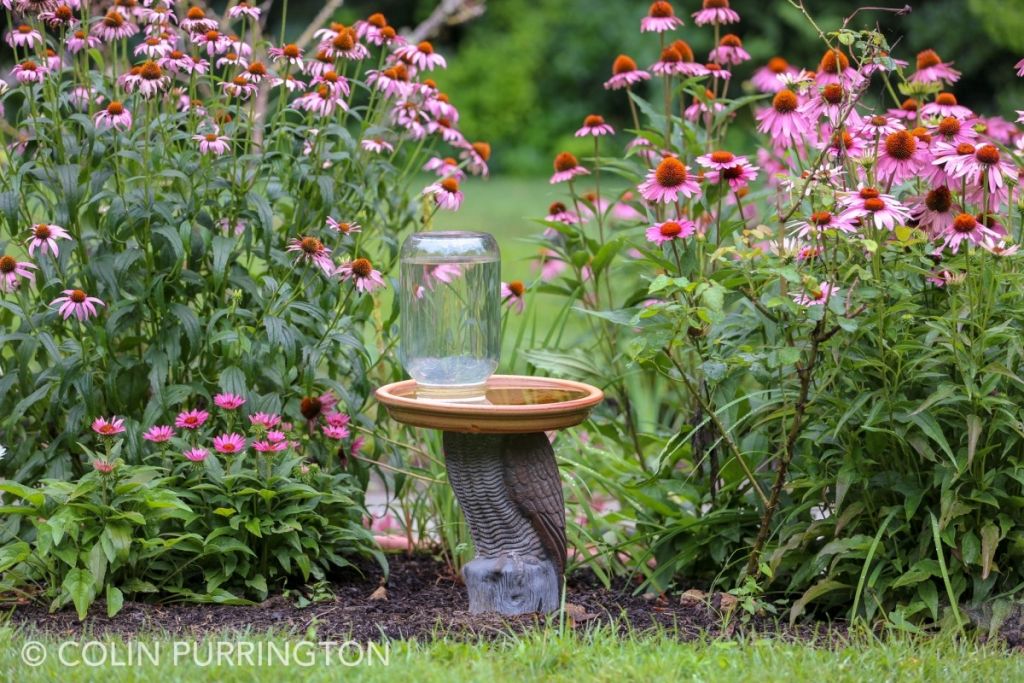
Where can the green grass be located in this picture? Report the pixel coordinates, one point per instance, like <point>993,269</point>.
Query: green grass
<point>546,655</point>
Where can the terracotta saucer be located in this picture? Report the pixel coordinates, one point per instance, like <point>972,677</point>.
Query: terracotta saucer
<point>514,405</point>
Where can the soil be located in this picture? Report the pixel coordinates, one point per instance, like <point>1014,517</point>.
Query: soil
<point>425,600</point>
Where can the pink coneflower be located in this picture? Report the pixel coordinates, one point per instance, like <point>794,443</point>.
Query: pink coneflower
<point>312,250</point>
<point>767,78</point>
<point>1000,248</point>
<point>738,176</point>
<point>228,401</point>
<point>80,40</point>
<point>421,55</point>
<point>265,420</point>
<point>29,72</point>
<point>883,209</point>
<point>953,159</point>
<point>393,82</point>
<point>818,296</point>
<point>244,9</point>
<point>834,67</point>
<point>229,443</point>
<point>594,125</point>
<point>366,278</point>
<point>783,121</point>
<point>78,303</point>
<point>11,270</point>
<point>729,51</point>
<point>196,21</point>
<point>879,126</point>
<point>113,27</point>
<point>44,238</point>
<point>660,18</point>
<point>62,15</point>
<point>931,69</point>
<point>159,434</point>
<point>670,179</point>
<point>191,419</point>
<point>566,168</point>
<point>337,433</point>
<point>881,62</point>
<point>843,145</point>
<point>24,36</point>
<point>211,143</point>
<point>290,54</point>
<point>668,62</point>
<point>987,167</point>
<point>716,71</point>
<point>154,48</point>
<point>102,466</point>
<point>111,427</point>
<point>214,42</point>
<point>377,145</point>
<point>558,213</point>
<point>997,128</point>
<point>659,233</point>
<point>114,116</point>
<point>240,87</point>
<point>934,211</point>
<point>945,104</point>
<point>447,194</point>
<point>966,227</point>
<point>954,131</point>
<point>830,102</point>
<point>343,227</point>
<point>444,167</point>
<point>820,221</point>
<point>270,447</point>
<point>512,295</point>
<point>625,74</point>
<point>715,12</point>
<point>196,454</point>
<point>322,100</point>
<point>901,156</point>
<point>476,155</point>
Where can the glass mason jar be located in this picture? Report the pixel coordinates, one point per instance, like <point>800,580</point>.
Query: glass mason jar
<point>450,306</point>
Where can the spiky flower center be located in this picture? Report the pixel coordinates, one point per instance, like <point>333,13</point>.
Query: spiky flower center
<point>988,155</point>
<point>869,193</point>
<point>115,108</point>
<point>151,71</point>
<point>949,126</point>
<point>311,246</point>
<point>832,93</point>
<point>661,10</point>
<point>722,157</point>
<point>195,13</point>
<point>77,296</point>
<point>684,50</point>
<point>670,55</point>
<point>964,223</point>
<point>671,172</point>
<point>947,99</point>
<point>556,208</point>
<point>834,62</point>
<point>593,121</point>
<point>42,231</point>
<point>623,64</point>
<point>258,69</point>
<point>362,267</point>
<point>909,104</point>
<point>291,51</point>
<point>965,148</point>
<point>731,40</point>
<point>900,145</point>
<point>211,137</point>
<point>842,140</point>
<point>821,218</point>
<point>927,59</point>
<point>483,149</point>
<point>377,19</point>
<point>565,162</point>
<point>310,407</point>
<point>922,134</point>
<point>450,185</point>
<point>939,200</point>
<point>517,288</point>
<point>778,65</point>
<point>425,47</point>
<point>878,121</point>
<point>785,101</point>
<point>670,229</point>
<point>113,19</point>
<point>716,4</point>
<point>7,264</point>
<point>344,42</point>
<point>24,29</point>
<point>874,204</point>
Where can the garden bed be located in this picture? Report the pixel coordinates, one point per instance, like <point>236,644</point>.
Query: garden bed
<point>424,600</point>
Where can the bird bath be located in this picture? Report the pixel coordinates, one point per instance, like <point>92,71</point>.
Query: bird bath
<point>502,468</point>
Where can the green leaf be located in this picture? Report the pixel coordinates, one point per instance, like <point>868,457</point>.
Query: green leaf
<point>115,601</point>
<point>816,591</point>
<point>79,584</point>
<point>13,553</point>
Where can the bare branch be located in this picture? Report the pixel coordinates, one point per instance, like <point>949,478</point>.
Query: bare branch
<point>447,13</point>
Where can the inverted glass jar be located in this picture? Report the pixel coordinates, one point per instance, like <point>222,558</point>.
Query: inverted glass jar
<point>450,306</point>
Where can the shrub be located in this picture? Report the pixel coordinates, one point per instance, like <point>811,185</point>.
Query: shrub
<point>812,354</point>
<point>200,222</point>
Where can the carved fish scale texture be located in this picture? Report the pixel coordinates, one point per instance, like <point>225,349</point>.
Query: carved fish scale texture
<point>477,475</point>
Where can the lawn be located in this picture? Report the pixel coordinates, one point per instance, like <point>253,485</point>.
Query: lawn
<point>548,655</point>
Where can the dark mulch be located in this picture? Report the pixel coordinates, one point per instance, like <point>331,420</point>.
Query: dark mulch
<point>423,600</point>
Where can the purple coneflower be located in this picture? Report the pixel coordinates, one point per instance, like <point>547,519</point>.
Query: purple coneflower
<point>901,156</point>
<point>44,238</point>
<point>767,78</point>
<point>76,302</point>
<point>211,143</point>
<point>512,295</point>
<point>820,221</point>
<point>966,227</point>
<point>715,12</point>
<point>594,125</point>
<point>670,179</point>
<point>312,250</point>
<point>783,121</point>
<point>113,27</point>
<point>446,192</point>
<point>883,209</point>
<point>817,296</point>
<point>931,69</point>
<point>421,55</point>
<point>115,116</point>
<point>660,18</point>
<point>729,51</point>
<point>660,233</point>
<point>360,270</point>
<point>625,74</point>
<point>566,168</point>
<point>945,104</point>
